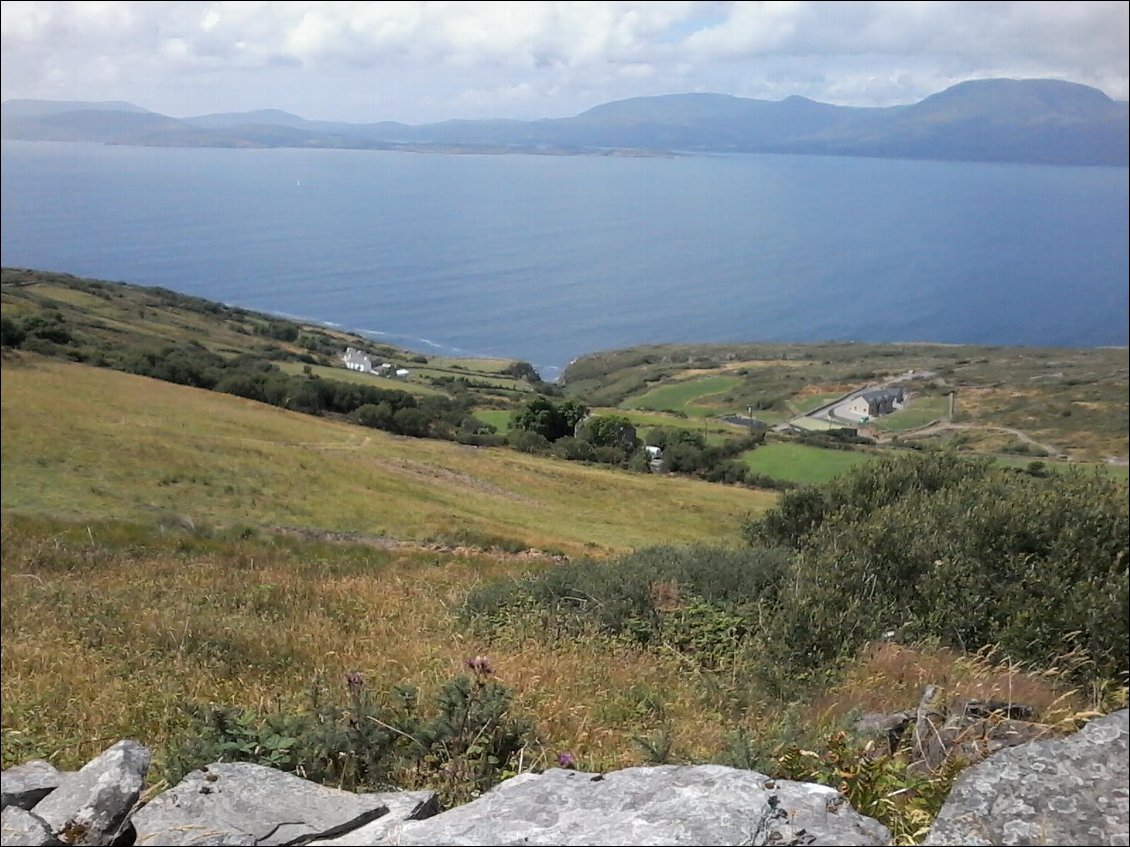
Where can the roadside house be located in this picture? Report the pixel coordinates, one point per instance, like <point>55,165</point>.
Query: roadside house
<point>873,403</point>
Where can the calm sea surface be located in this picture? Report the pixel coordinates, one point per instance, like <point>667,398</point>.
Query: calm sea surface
<point>544,258</point>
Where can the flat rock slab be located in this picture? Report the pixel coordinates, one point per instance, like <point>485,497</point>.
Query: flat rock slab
<point>700,805</point>
<point>1071,790</point>
<point>20,828</point>
<point>90,806</point>
<point>27,784</point>
<point>403,806</point>
<point>241,803</point>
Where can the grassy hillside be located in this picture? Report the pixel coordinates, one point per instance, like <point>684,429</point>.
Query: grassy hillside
<point>87,442</point>
<point>189,567</point>
<point>134,328</point>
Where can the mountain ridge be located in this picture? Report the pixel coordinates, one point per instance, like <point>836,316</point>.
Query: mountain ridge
<point>1037,121</point>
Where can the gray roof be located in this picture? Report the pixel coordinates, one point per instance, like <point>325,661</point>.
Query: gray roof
<point>877,394</point>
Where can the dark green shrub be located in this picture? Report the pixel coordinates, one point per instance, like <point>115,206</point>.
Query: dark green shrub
<point>573,449</point>
<point>961,552</point>
<point>12,334</point>
<point>527,442</point>
<point>699,600</point>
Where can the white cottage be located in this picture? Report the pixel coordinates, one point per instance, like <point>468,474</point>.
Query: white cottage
<point>355,360</point>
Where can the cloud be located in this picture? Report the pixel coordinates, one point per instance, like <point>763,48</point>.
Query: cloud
<point>428,60</point>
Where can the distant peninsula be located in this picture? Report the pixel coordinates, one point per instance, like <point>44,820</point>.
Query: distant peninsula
<point>1032,121</point>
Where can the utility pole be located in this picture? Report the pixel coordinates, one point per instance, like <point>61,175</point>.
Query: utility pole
<point>750,420</point>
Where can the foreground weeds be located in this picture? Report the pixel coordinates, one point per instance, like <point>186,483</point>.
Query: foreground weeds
<point>357,666</point>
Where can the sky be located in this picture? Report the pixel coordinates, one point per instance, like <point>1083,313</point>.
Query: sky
<point>419,62</point>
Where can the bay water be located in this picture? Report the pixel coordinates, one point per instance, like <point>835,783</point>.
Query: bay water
<point>544,258</point>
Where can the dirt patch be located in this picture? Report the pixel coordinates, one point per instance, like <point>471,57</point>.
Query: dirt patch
<point>411,469</point>
<point>384,542</point>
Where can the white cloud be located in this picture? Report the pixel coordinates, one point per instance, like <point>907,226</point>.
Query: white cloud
<point>427,60</point>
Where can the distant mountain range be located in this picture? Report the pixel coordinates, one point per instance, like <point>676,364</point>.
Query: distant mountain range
<point>997,120</point>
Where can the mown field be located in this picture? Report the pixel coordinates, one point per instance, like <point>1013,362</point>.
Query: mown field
<point>692,397</point>
<point>802,464</point>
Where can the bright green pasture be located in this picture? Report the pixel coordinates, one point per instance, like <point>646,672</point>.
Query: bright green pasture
<point>691,396</point>
<point>801,463</point>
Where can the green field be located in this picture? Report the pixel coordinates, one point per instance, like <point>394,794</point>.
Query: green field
<point>345,375</point>
<point>688,396</point>
<point>477,366</point>
<point>811,402</point>
<point>498,418</point>
<point>803,464</point>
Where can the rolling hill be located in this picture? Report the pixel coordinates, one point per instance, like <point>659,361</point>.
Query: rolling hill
<point>1003,120</point>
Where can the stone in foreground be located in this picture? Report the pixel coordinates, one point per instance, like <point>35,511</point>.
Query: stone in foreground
<point>702,805</point>
<point>91,805</point>
<point>402,806</point>
<point>27,784</point>
<point>20,828</point>
<point>241,803</point>
<point>1070,790</point>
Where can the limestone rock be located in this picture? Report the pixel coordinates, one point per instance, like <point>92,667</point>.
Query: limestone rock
<point>27,784</point>
<point>700,805</point>
<point>1071,790</point>
<point>241,803</point>
<point>886,730</point>
<point>403,806</point>
<point>90,806</point>
<point>21,828</point>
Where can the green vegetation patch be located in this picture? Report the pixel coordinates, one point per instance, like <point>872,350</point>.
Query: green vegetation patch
<point>356,378</point>
<point>803,464</point>
<point>498,418</point>
<point>688,396</point>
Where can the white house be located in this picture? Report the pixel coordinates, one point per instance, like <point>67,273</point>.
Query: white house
<point>355,360</point>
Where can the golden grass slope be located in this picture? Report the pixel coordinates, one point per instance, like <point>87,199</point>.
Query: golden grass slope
<point>81,442</point>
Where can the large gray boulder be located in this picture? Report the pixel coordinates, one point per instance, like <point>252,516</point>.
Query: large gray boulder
<point>27,784</point>
<point>241,803</point>
<point>91,805</point>
<point>20,828</point>
<point>1071,790</point>
<point>700,805</point>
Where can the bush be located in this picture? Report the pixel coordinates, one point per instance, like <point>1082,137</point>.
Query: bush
<point>459,744</point>
<point>12,334</point>
<point>527,442</point>
<point>522,370</point>
<point>958,551</point>
<point>573,449</point>
<point>699,600</point>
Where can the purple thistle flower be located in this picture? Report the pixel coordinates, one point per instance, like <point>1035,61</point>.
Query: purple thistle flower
<point>354,682</point>
<point>480,665</point>
<point>566,760</point>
